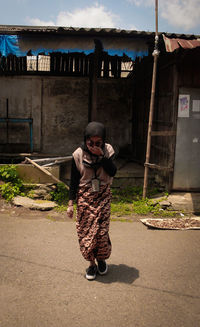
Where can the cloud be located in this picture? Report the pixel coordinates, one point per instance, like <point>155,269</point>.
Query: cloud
<point>38,22</point>
<point>145,3</point>
<point>184,13</point>
<point>96,16</point>
<point>178,13</point>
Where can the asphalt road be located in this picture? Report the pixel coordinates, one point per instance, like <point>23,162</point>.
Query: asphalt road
<point>153,279</point>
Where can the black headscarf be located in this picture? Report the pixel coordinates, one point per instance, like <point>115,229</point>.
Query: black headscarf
<point>94,129</point>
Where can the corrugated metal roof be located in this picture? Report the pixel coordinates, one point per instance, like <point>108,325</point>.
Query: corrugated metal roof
<point>17,29</point>
<point>176,43</point>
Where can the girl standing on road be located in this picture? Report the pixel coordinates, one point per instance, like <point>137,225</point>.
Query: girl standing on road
<point>91,176</point>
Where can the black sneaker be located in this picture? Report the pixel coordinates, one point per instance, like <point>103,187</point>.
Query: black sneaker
<point>91,272</point>
<point>102,267</point>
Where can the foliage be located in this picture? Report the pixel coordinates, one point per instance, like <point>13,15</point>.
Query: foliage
<point>9,191</point>
<point>12,185</point>
<point>60,195</point>
<point>144,206</point>
<point>8,173</point>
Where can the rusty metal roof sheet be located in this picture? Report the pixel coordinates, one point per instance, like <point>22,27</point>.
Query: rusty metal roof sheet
<point>176,43</point>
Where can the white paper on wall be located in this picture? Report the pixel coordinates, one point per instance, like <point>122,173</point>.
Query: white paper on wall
<point>184,105</point>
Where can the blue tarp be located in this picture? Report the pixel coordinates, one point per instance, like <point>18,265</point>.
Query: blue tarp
<point>9,44</point>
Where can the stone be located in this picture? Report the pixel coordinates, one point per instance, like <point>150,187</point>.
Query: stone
<point>165,204</point>
<point>33,204</point>
<point>39,193</point>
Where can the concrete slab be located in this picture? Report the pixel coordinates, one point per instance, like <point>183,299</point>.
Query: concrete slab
<point>189,202</point>
<point>33,204</point>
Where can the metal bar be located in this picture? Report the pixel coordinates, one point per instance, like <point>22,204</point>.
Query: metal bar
<point>52,159</point>
<point>148,150</point>
<point>57,162</point>
<point>16,120</point>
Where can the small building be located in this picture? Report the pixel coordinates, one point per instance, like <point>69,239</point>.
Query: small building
<point>55,79</point>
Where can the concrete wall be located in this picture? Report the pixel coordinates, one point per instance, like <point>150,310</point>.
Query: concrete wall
<point>65,113</point>
<point>114,110</point>
<point>59,108</point>
<point>24,101</point>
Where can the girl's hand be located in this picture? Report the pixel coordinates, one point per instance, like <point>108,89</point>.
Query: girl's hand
<point>70,211</point>
<point>95,150</point>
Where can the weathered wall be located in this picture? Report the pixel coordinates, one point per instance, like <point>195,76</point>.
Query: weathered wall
<point>174,71</point>
<point>65,113</point>
<point>59,108</point>
<point>24,101</point>
<point>114,109</point>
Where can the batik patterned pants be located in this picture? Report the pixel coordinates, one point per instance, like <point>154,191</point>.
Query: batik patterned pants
<point>93,219</point>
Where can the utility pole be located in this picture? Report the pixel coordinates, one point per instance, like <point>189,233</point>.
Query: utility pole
<point>151,111</point>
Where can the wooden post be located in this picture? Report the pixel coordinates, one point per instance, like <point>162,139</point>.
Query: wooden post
<point>174,119</point>
<point>94,88</point>
<point>7,126</point>
<point>153,88</point>
<point>94,80</point>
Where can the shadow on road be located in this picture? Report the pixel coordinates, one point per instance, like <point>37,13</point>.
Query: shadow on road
<point>119,273</point>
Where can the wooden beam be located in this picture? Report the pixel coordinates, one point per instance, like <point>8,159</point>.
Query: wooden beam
<point>154,166</point>
<point>163,133</point>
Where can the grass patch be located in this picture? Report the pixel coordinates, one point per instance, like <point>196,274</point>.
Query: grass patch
<point>121,209</point>
<point>129,201</point>
<point>126,195</point>
<point>61,208</point>
<point>122,220</point>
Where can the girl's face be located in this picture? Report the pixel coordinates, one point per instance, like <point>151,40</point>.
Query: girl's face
<point>94,141</point>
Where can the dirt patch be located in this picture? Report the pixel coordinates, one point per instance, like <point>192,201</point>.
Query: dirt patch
<point>18,211</point>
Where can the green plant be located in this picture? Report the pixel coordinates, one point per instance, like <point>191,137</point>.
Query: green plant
<point>61,194</point>
<point>9,191</point>
<point>30,194</point>
<point>8,173</point>
<point>143,206</point>
<point>12,185</point>
<point>148,206</point>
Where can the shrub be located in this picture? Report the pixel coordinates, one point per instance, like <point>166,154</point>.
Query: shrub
<point>61,194</point>
<point>12,185</point>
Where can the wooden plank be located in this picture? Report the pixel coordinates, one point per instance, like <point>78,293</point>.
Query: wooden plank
<point>46,172</point>
<point>163,133</point>
<point>106,66</point>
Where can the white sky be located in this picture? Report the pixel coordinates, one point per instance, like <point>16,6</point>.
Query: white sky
<point>178,16</point>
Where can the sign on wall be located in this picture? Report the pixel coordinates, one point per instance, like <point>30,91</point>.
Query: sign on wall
<point>184,105</point>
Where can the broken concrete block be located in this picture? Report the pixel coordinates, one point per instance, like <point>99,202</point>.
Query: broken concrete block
<point>34,204</point>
